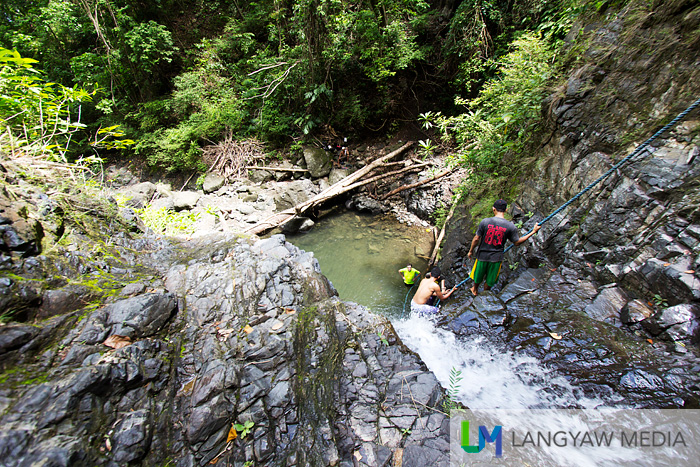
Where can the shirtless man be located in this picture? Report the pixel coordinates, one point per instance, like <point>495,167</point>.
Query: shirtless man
<point>427,288</point>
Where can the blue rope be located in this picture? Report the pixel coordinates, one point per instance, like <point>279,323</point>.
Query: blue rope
<point>406,299</point>
<point>639,149</point>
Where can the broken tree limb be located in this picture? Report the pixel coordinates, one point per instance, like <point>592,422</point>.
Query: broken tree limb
<point>343,186</point>
<point>386,175</point>
<point>278,169</point>
<point>414,185</point>
<point>436,248</point>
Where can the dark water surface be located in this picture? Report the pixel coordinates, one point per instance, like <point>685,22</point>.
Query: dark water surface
<point>362,254</point>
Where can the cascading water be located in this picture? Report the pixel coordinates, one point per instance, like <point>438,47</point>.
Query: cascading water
<point>491,377</point>
<point>361,255</point>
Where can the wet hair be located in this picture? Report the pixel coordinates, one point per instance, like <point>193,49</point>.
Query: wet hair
<point>435,272</point>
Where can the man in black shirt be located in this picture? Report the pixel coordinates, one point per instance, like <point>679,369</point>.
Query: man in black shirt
<point>491,236</point>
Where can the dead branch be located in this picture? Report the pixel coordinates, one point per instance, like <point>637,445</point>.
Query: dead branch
<point>386,175</point>
<point>414,185</point>
<point>278,169</point>
<point>436,248</point>
<point>231,158</point>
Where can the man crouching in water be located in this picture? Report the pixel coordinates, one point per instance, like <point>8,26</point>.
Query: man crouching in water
<point>429,287</point>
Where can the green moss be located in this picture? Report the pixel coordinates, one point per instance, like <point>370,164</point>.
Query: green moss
<point>23,376</point>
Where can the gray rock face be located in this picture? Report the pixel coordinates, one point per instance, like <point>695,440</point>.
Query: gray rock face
<point>677,323</point>
<point>577,331</point>
<point>185,200</point>
<point>248,332</point>
<point>318,162</point>
<point>212,182</point>
<point>289,194</point>
<point>18,233</point>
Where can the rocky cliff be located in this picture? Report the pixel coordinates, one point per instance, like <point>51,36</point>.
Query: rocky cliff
<point>623,260</point>
<point>221,332</point>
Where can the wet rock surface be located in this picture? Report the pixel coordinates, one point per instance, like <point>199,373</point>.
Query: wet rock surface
<point>239,331</point>
<point>610,347</point>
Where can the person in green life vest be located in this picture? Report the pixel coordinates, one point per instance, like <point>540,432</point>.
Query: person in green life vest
<point>409,275</point>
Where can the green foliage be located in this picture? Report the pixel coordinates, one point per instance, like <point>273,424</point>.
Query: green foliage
<point>659,301</point>
<point>150,44</point>
<point>38,117</point>
<point>494,130</point>
<point>450,403</point>
<point>42,119</point>
<point>186,73</point>
<point>244,428</point>
<point>440,215</point>
<point>427,148</point>
<point>165,222</point>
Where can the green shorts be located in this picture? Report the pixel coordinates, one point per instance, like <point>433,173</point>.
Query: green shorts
<point>486,269</point>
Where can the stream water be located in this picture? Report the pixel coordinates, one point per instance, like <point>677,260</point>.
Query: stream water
<point>362,254</point>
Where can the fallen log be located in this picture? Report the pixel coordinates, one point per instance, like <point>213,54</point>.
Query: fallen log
<point>386,175</point>
<point>342,186</point>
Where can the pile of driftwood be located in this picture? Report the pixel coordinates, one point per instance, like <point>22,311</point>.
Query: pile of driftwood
<point>231,158</point>
<point>364,176</point>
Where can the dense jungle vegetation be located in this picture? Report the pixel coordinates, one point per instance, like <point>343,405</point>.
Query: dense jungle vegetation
<point>165,78</point>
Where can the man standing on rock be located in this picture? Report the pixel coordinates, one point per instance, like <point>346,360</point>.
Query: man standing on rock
<point>426,289</point>
<point>491,236</point>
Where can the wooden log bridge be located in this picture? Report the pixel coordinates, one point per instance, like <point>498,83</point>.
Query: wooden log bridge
<point>352,181</point>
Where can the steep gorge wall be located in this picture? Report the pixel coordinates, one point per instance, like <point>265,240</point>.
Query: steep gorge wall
<point>631,71</point>
<point>226,330</point>
<point>641,227</point>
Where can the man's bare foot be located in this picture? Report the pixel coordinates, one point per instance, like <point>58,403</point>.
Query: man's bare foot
<point>486,288</point>
<point>473,291</point>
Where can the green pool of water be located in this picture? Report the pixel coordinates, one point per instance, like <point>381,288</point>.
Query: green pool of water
<point>362,254</point>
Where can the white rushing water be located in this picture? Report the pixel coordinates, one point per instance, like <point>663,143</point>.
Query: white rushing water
<point>491,378</point>
<point>521,394</point>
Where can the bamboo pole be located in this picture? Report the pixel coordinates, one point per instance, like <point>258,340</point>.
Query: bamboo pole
<point>436,248</point>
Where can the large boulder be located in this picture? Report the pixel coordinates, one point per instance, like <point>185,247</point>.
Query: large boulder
<point>18,231</point>
<point>297,224</point>
<point>138,195</point>
<point>289,194</point>
<point>318,162</point>
<point>676,323</point>
<point>366,204</point>
<point>185,200</point>
<point>212,182</point>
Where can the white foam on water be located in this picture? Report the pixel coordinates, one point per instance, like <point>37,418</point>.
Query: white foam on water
<point>492,378</point>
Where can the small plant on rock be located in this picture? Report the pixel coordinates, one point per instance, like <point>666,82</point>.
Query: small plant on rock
<point>244,428</point>
<point>659,301</point>
<point>450,403</point>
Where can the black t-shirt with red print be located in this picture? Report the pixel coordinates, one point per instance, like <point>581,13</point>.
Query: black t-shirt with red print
<point>494,232</point>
